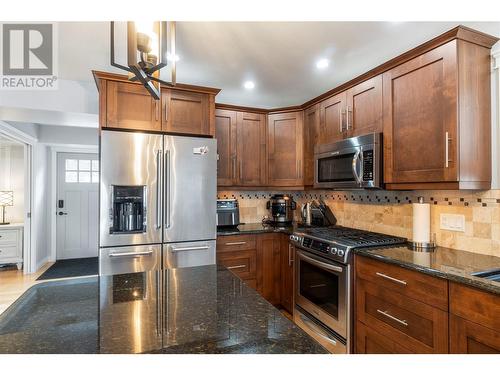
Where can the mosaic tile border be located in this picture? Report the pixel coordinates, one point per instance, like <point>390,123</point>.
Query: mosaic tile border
<point>490,198</point>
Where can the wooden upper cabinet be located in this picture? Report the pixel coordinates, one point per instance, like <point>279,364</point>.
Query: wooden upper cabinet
<point>311,138</point>
<point>364,107</point>
<point>129,106</point>
<point>285,144</point>
<point>250,149</point>
<point>332,119</point>
<point>225,132</point>
<point>436,119</point>
<point>185,112</point>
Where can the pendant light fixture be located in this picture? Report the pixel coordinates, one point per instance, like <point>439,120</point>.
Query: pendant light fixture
<point>147,53</point>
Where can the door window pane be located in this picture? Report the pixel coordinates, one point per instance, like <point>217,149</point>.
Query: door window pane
<point>95,177</point>
<point>71,177</point>
<point>84,165</point>
<point>95,165</point>
<point>83,176</point>
<point>71,164</point>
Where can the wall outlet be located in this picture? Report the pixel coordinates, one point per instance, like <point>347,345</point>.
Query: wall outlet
<point>452,222</point>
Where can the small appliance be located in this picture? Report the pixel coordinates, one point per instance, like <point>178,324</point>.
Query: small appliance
<point>353,163</point>
<point>281,207</point>
<point>228,213</point>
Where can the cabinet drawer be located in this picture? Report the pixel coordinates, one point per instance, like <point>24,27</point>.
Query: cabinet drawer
<point>9,252</point>
<point>238,242</point>
<point>369,341</point>
<point>415,325</point>
<point>8,236</point>
<point>416,285</point>
<point>475,305</point>
<point>242,263</point>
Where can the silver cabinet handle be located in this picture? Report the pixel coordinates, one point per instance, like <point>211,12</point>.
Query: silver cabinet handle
<point>341,121</point>
<point>158,189</point>
<point>235,243</point>
<point>402,282</point>
<point>316,329</point>
<point>290,259</point>
<point>447,150</point>
<point>320,264</point>
<point>348,123</point>
<point>359,179</point>
<point>176,249</point>
<point>131,254</point>
<point>235,267</point>
<point>387,315</point>
<point>167,189</point>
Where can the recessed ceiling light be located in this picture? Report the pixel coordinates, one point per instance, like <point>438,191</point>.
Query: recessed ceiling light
<point>249,85</point>
<point>322,64</point>
<point>172,58</point>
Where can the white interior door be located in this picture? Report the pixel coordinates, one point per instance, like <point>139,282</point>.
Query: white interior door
<point>77,205</point>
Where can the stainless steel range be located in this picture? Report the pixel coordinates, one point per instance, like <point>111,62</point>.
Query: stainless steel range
<point>323,281</point>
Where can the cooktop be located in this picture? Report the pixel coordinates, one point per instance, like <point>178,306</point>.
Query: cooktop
<point>337,242</point>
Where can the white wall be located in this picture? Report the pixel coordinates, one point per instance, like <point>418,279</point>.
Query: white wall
<point>66,135</point>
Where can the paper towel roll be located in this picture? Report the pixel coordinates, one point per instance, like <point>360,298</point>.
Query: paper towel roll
<point>421,222</point>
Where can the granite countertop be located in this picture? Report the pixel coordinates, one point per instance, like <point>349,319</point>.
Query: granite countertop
<point>256,228</point>
<point>206,310</point>
<point>454,265</point>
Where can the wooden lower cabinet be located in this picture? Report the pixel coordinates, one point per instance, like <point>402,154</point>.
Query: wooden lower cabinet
<point>467,337</point>
<point>369,341</point>
<point>256,259</point>
<point>287,267</point>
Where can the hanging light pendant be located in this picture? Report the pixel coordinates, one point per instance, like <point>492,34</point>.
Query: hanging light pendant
<point>147,53</point>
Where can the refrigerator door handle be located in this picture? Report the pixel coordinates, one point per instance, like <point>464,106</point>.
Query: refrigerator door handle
<point>158,189</point>
<point>167,189</point>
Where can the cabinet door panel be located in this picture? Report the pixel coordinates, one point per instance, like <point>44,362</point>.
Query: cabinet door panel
<point>364,103</point>
<point>332,118</point>
<point>467,337</point>
<point>130,106</point>
<point>185,112</point>
<point>225,132</point>
<point>311,138</point>
<point>284,139</point>
<point>369,341</point>
<point>269,267</point>
<point>250,149</point>
<point>420,111</point>
<point>287,261</point>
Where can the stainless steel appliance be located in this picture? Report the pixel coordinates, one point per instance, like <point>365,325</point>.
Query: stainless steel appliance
<point>159,189</point>
<point>281,207</point>
<point>353,163</point>
<point>323,281</point>
<point>228,213</point>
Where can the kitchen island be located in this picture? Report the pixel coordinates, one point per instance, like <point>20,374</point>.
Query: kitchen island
<point>205,310</point>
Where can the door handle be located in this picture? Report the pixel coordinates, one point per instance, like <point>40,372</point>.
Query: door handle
<point>189,248</point>
<point>322,265</point>
<point>158,189</point>
<point>60,213</point>
<point>447,150</point>
<point>290,259</point>
<point>355,159</point>
<point>167,189</point>
<point>131,254</point>
<point>236,267</point>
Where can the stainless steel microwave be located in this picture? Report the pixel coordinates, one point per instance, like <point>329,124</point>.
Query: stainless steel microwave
<point>353,163</point>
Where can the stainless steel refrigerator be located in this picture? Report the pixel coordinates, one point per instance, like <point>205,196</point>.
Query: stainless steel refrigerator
<point>157,211</point>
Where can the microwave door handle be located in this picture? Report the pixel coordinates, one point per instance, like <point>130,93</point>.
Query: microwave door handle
<point>355,160</point>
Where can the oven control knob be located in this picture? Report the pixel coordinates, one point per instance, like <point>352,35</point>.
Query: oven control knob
<point>295,238</point>
<point>341,253</point>
<point>333,250</point>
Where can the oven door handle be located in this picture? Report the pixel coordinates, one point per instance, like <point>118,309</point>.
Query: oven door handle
<point>355,160</point>
<point>326,266</point>
<point>313,327</point>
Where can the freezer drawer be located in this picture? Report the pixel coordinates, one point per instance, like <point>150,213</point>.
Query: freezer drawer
<point>130,301</point>
<point>188,254</point>
<point>130,188</point>
<point>129,259</point>
<point>190,193</point>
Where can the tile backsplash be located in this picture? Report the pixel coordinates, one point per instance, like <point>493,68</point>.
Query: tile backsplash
<point>390,212</point>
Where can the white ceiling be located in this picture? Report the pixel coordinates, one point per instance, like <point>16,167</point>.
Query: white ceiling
<point>279,57</point>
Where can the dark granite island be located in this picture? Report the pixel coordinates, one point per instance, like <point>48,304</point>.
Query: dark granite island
<point>197,310</point>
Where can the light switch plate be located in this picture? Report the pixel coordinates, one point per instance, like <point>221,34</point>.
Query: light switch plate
<point>452,222</point>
